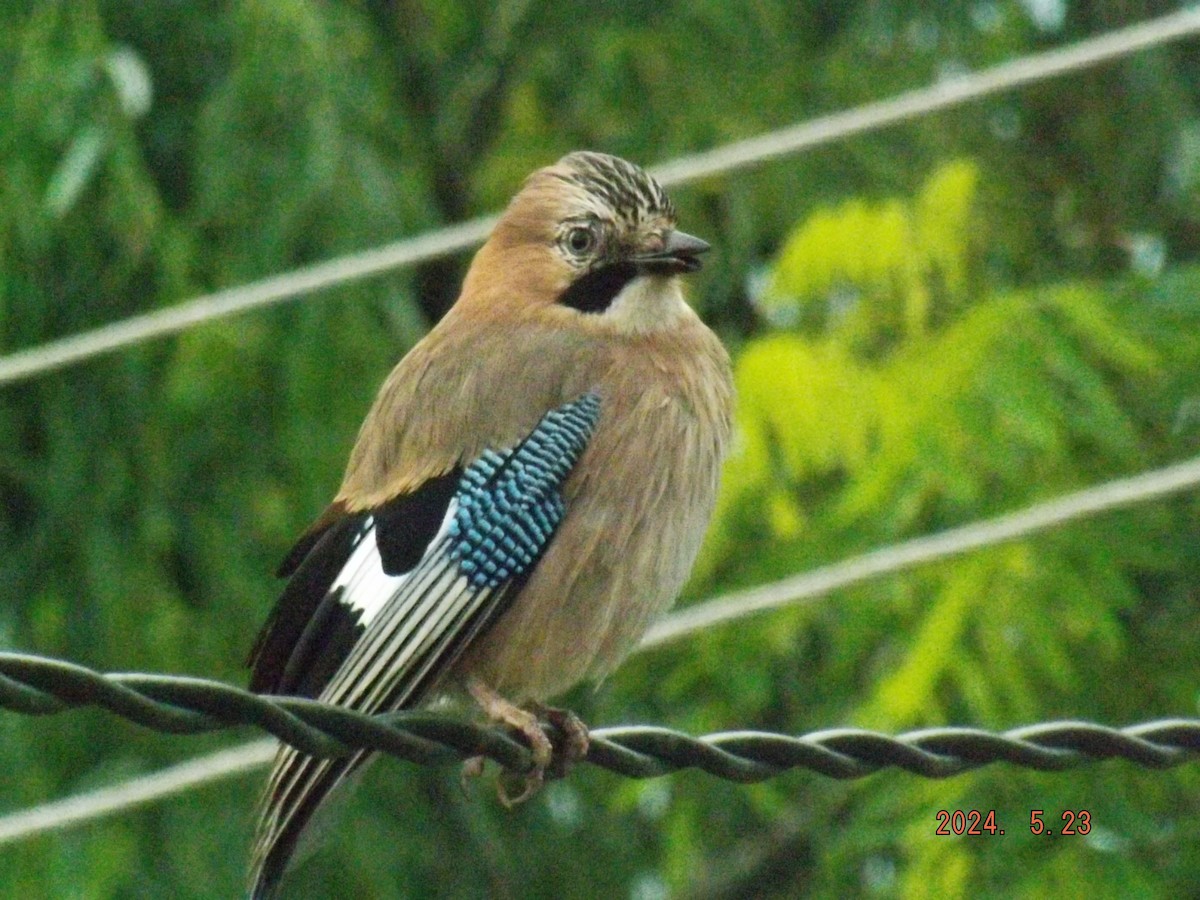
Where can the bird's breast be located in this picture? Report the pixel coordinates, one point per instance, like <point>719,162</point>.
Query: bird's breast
<point>638,504</point>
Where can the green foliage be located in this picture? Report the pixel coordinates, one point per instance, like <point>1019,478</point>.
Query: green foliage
<point>892,255</point>
<point>931,324</point>
<point>862,424</point>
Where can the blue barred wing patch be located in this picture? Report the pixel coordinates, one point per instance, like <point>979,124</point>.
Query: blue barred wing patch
<point>510,502</point>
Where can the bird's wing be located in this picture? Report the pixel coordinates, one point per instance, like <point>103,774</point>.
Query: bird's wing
<point>341,572</point>
<point>396,627</point>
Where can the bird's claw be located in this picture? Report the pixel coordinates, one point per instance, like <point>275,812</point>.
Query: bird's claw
<point>530,783</point>
<point>472,768</point>
<point>546,756</point>
<point>573,734</point>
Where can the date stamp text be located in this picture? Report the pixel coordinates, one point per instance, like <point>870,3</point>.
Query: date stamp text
<point>984,822</point>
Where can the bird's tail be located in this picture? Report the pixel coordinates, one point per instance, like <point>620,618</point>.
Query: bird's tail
<point>299,785</point>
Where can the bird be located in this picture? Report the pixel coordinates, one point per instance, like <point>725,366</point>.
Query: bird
<point>528,492</point>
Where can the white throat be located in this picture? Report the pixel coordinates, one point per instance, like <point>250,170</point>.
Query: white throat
<point>649,303</point>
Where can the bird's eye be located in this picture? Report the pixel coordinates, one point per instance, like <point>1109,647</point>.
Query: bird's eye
<point>580,241</point>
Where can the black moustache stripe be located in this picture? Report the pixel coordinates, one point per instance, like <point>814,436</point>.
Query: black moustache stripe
<point>595,291</point>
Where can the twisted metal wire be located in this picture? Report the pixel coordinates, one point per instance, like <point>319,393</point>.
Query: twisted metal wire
<point>37,685</point>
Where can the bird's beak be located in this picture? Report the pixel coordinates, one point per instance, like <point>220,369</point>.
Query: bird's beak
<point>680,253</point>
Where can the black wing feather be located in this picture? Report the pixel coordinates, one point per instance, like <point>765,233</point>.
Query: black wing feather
<point>506,506</point>
<point>272,670</point>
<point>309,632</point>
<point>407,525</point>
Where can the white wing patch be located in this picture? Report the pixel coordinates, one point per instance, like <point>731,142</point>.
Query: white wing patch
<point>415,626</point>
<point>366,587</point>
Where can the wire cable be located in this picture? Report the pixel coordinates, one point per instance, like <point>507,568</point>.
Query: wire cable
<point>40,686</point>
<point>953,542</point>
<point>135,792</point>
<point>238,760</point>
<point>944,94</point>
<point>25,364</point>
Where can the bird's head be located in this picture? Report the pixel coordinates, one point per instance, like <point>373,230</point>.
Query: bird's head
<point>591,236</point>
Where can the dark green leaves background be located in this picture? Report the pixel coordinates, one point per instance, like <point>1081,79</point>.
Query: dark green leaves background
<point>937,322</point>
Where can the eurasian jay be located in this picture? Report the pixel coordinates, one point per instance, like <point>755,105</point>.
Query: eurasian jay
<point>528,492</point>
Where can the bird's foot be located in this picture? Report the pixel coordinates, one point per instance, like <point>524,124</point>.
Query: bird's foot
<point>472,768</point>
<point>528,723</point>
<point>574,738</point>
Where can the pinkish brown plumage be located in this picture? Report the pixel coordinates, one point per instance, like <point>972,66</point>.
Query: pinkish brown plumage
<point>575,295</point>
